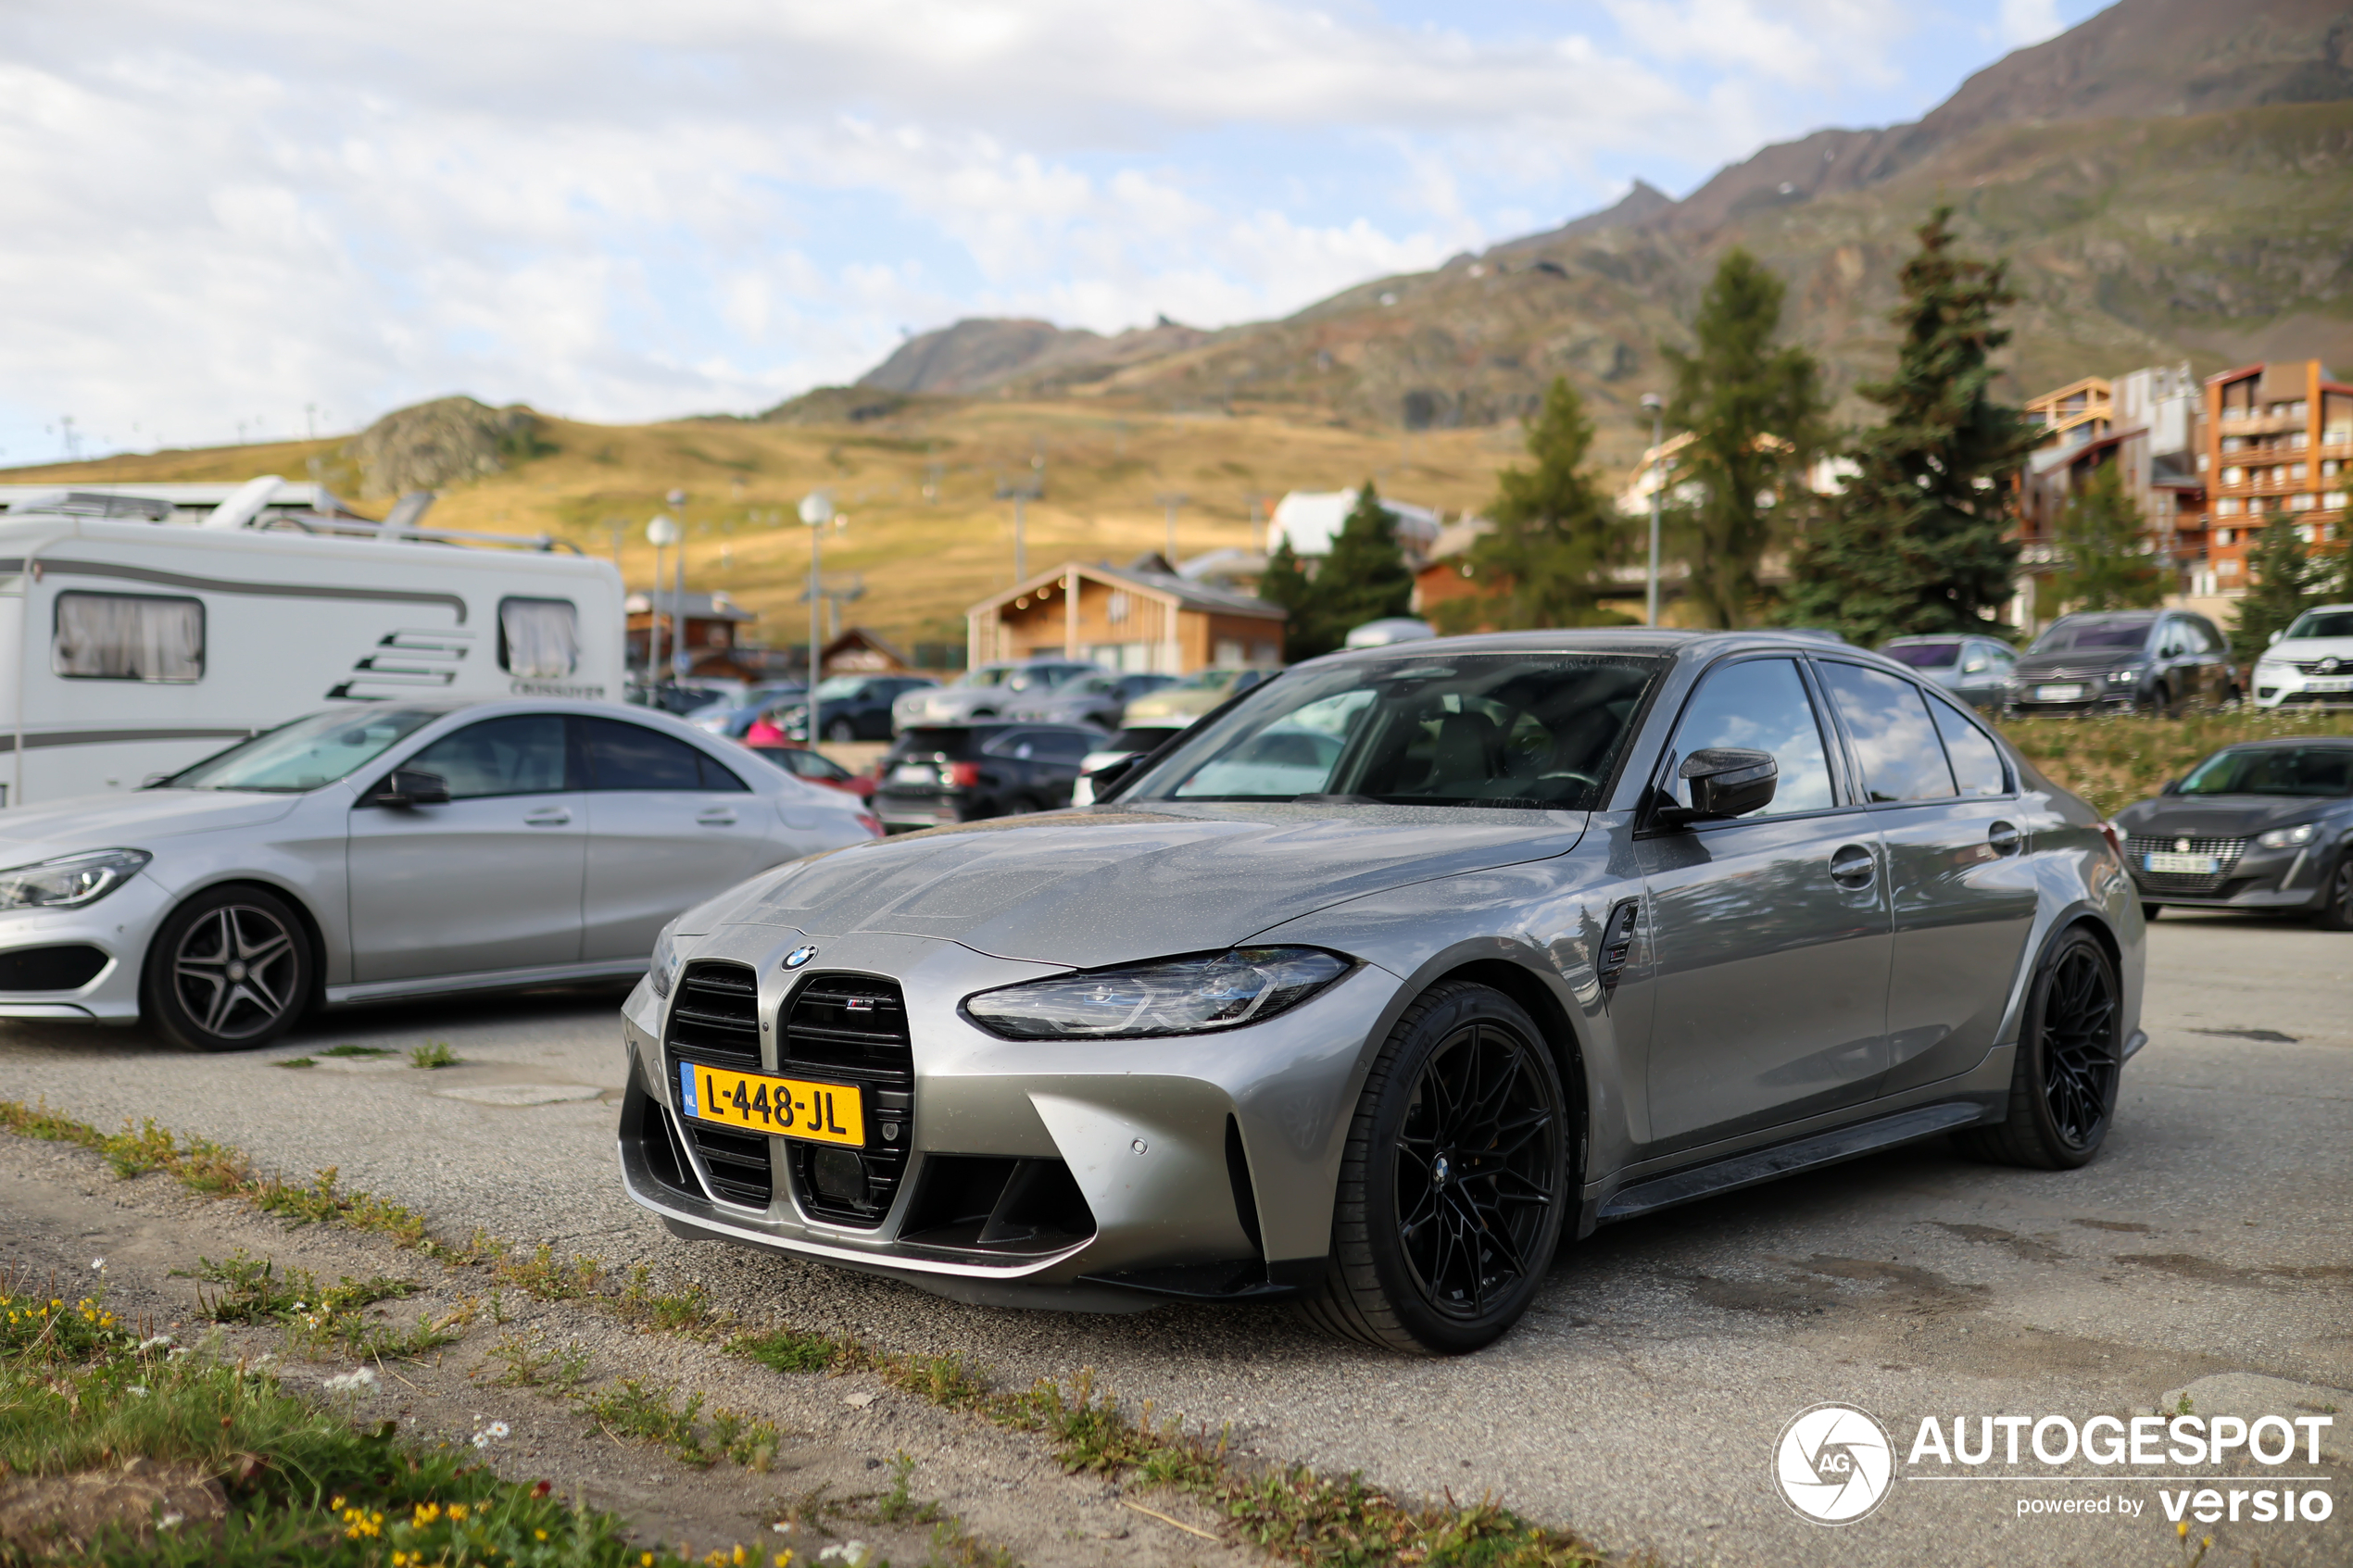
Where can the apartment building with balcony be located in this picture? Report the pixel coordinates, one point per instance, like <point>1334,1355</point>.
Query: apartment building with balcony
<point>2278,440</point>
<point>2149,426</point>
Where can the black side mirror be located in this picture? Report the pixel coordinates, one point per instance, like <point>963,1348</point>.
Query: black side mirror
<point>1725,781</point>
<point>1110,774</point>
<point>411,786</point>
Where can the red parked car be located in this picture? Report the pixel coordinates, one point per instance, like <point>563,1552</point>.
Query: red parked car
<point>803,763</point>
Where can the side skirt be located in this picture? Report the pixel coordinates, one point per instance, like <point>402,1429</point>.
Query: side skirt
<point>1751,1167</point>
<point>487,979</point>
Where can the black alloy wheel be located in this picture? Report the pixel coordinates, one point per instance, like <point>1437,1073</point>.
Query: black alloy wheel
<point>2063,1086</point>
<point>230,970</point>
<point>1455,1183</point>
<point>2336,903</point>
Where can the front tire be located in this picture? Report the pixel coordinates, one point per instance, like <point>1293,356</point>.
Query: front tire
<point>2069,1055</point>
<point>1455,1182</point>
<point>230,970</point>
<point>2336,899</point>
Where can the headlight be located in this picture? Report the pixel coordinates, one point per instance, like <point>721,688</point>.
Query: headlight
<point>70,880</point>
<point>664,971</point>
<point>1175,996</point>
<point>2287,838</point>
<point>2120,676</point>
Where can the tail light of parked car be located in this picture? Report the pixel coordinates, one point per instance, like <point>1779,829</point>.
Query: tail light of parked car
<point>870,822</point>
<point>959,775</point>
<point>2115,841</point>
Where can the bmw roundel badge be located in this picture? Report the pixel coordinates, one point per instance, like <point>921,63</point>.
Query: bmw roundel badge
<point>798,956</point>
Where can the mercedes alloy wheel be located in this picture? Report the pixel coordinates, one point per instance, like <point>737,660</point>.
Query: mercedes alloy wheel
<point>230,970</point>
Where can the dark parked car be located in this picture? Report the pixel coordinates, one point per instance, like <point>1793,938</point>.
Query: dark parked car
<point>1379,986</point>
<point>851,707</point>
<point>2267,827</point>
<point>963,772</point>
<point>1976,670</point>
<point>2155,661</point>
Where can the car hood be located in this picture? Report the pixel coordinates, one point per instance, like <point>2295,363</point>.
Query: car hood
<point>130,822</point>
<point>2220,816</point>
<point>1094,889</point>
<point>2071,659</point>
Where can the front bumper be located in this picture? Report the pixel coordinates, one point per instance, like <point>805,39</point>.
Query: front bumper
<point>2256,880</point>
<point>2094,695</point>
<point>1207,1163</point>
<point>2291,688</point>
<point>116,929</point>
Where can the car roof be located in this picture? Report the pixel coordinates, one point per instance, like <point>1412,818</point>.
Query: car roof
<point>2285,743</point>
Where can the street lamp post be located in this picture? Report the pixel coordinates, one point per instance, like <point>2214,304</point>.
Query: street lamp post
<point>680,658</point>
<point>662,532</point>
<point>816,510</point>
<point>1657,405</point>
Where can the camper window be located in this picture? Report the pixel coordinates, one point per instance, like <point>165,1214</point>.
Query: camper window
<point>127,637</point>
<point>538,639</point>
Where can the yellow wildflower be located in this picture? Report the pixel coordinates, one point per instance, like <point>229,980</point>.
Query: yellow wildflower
<point>456,1511</point>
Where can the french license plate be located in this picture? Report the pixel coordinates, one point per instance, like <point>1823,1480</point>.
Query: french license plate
<point>2058,694</point>
<point>2180,865</point>
<point>2329,683</point>
<point>915,773</point>
<point>791,1108</point>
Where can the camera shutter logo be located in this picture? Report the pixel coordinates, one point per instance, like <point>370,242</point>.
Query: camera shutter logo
<point>1834,1463</point>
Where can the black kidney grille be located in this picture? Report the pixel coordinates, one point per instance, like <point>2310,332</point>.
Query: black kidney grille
<point>737,1163</point>
<point>715,1016</point>
<point>852,1029</point>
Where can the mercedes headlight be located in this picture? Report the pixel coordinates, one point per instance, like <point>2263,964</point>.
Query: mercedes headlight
<point>664,971</point>
<point>70,880</point>
<point>2287,838</point>
<point>1173,996</point>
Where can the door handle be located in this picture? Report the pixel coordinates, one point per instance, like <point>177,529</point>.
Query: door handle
<point>547,816</point>
<point>717,817</point>
<point>2003,836</point>
<point>1854,865</point>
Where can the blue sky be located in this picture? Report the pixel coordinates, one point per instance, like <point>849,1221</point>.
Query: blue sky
<point>272,215</point>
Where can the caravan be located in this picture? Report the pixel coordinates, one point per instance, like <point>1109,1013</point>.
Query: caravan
<point>146,626</point>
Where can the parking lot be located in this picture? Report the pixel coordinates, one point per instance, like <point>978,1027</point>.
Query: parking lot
<point>1639,1403</point>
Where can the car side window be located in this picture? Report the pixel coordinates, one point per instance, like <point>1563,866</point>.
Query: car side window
<point>1017,744</point>
<point>1060,746</point>
<point>522,754</point>
<point>1895,740</point>
<point>1759,704</point>
<point>626,756</point>
<point>1977,761</point>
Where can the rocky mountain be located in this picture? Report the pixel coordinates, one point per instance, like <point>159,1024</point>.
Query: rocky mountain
<point>430,444</point>
<point>2171,180</point>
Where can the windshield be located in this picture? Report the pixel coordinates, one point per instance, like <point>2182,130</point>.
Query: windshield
<point>2296,770</point>
<point>2069,635</point>
<point>1924,656</point>
<point>1047,677</point>
<point>986,675</point>
<point>307,753</point>
<point>2320,623</point>
<point>1514,730</point>
<point>833,688</point>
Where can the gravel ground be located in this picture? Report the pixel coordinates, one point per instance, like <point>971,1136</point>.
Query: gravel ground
<point>1641,1401</point>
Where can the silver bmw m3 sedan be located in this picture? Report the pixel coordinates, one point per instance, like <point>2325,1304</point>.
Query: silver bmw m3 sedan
<point>1381,982</point>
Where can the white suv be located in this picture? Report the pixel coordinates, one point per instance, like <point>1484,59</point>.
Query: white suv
<point>2310,664</point>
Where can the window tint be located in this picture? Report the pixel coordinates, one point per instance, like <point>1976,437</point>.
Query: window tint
<point>538,639</point>
<point>1021,744</point>
<point>1759,704</point>
<point>521,754</point>
<point>717,776</point>
<point>623,756</point>
<point>1895,742</point>
<point>127,637</point>
<point>1062,745</point>
<point>1977,761</point>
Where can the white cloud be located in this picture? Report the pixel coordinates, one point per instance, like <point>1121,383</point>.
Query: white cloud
<point>2028,21</point>
<point>222,211</point>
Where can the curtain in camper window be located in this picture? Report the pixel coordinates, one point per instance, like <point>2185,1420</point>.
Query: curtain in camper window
<point>127,637</point>
<point>538,639</point>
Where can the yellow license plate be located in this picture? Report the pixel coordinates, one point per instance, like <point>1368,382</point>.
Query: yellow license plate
<point>791,1108</point>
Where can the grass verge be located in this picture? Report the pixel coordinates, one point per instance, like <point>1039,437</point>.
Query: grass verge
<point>1292,1512</point>
<point>2112,761</point>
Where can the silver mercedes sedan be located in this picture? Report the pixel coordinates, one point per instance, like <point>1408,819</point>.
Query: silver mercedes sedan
<point>1391,974</point>
<point>391,850</point>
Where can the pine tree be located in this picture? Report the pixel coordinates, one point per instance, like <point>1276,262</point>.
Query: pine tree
<point>1284,583</point>
<point>1555,532</point>
<point>1364,578</point>
<point>1918,542</point>
<point>1754,413</point>
<point>2098,538</point>
<point>2287,581</point>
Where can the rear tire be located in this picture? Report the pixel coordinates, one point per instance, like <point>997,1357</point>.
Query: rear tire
<point>841,730</point>
<point>230,970</point>
<point>2337,900</point>
<point>2069,1052</point>
<point>1455,1182</point>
